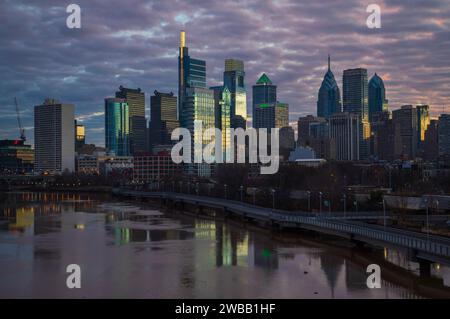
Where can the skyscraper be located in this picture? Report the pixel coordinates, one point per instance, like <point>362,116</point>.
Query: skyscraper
<point>355,92</point>
<point>80,136</point>
<point>406,119</point>
<point>117,129</point>
<point>355,100</point>
<point>444,138</point>
<point>431,145</point>
<point>54,137</point>
<point>135,99</point>
<point>329,96</point>
<point>264,103</point>
<point>233,79</point>
<point>163,109</point>
<point>377,97</point>
<point>345,135</point>
<point>198,106</point>
<point>191,73</point>
<point>222,105</point>
<point>423,120</point>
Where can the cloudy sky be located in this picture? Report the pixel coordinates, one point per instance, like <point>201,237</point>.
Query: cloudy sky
<point>135,43</point>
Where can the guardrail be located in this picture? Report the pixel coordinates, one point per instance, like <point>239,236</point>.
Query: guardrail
<point>436,245</point>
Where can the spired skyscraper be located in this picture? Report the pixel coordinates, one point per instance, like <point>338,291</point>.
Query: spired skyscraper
<point>377,97</point>
<point>329,97</point>
<point>191,73</point>
<point>196,102</point>
<point>233,80</point>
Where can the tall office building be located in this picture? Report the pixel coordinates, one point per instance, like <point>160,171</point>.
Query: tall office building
<point>222,105</point>
<point>265,103</point>
<point>234,80</point>
<point>406,119</point>
<point>54,137</point>
<point>329,96</point>
<point>345,136</point>
<point>135,98</point>
<point>355,92</point>
<point>377,97</point>
<point>191,73</point>
<point>355,100</point>
<point>444,138</point>
<point>385,136</point>
<point>80,136</point>
<point>117,129</point>
<point>423,120</point>
<point>198,106</point>
<point>195,101</point>
<point>163,110</point>
<point>430,144</point>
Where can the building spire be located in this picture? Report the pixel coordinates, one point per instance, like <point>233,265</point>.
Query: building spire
<point>182,39</point>
<point>329,63</point>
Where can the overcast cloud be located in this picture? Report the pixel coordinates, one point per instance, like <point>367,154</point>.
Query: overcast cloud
<point>135,43</point>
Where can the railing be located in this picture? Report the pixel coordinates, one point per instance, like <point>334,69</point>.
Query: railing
<point>436,245</point>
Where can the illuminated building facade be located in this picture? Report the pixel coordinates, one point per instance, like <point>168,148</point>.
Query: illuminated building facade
<point>117,128</point>
<point>234,80</point>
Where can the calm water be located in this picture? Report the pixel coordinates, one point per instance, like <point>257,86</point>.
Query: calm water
<point>125,250</point>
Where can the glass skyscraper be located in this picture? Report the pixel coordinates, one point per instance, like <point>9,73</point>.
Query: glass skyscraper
<point>329,97</point>
<point>191,73</point>
<point>117,126</point>
<point>233,80</point>
<point>264,101</point>
<point>355,92</point>
<point>222,102</point>
<point>355,101</point>
<point>377,97</point>
<point>196,102</point>
<point>135,98</point>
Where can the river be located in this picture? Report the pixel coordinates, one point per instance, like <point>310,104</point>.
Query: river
<point>128,250</point>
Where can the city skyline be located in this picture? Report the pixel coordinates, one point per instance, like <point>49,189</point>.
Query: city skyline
<point>84,66</point>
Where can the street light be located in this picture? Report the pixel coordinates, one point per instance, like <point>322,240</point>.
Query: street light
<point>225,190</point>
<point>254,195</point>
<point>345,205</point>
<point>273,197</point>
<point>309,200</point>
<point>320,202</point>
<point>384,212</point>
<point>242,190</point>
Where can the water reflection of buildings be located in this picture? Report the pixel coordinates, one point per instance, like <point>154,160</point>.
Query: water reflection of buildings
<point>331,266</point>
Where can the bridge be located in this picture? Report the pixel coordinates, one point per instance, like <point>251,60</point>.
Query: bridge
<point>425,248</point>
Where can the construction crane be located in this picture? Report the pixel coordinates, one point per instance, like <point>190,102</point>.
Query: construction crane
<point>21,129</point>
